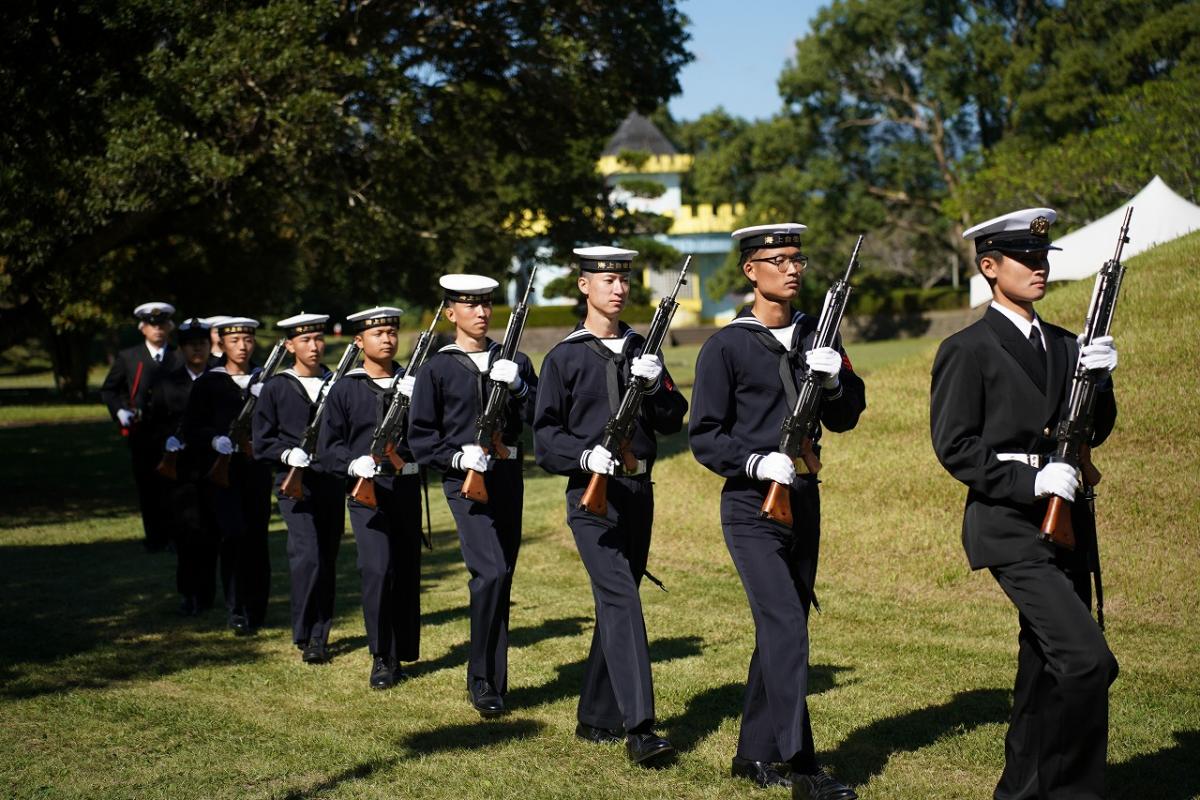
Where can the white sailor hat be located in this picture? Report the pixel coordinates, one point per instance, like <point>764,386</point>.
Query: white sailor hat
<point>374,318</point>
<point>467,288</point>
<point>779,234</point>
<point>214,321</point>
<point>302,323</point>
<point>192,329</point>
<point>1024,231</point>
<point>229,325</point>
<point>155,313</point>
<point>604,258</point>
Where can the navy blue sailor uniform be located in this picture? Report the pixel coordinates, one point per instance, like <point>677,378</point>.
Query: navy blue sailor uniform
<point>387,537</point>
<point>447,400</point>
<point>581,384</point>
<point>738,406</point>
<point>241,512</point>
<point>994,407</point>
<point>315,522</point>
<point>191,528</point>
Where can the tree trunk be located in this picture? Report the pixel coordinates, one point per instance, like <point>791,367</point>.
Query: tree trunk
<point>69,351</point>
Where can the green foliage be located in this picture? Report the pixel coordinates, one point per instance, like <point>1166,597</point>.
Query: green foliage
<point>642,187</point>
<point>260,158</point>
<point>634,159</point>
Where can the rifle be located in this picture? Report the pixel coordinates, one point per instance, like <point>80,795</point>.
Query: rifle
<point>239,431</point>
<point>168,467</point>
<point>490,420</point>
<point>383,440</point>
<point>137,412</point>
<point>1075,432</point>
<point>618,431</point>
<point>292,485</point>
<point>796,437</point>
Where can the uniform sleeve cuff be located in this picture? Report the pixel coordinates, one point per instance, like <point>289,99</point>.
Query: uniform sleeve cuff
<point>751,463</point>
<point>456,461</point>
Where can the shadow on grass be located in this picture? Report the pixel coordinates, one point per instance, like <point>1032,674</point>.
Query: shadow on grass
<point>1170,774</point>
<point>64,473</point>
<point>569,680</point>
<point>529,635</point>
<point>472,736</point>
<point>707,710</point>
<point>355,773</point>
<point>866,751</point>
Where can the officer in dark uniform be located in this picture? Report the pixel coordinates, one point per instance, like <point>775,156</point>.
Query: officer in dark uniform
<point>241,512</point>
<point>746,377</point>
<point>125,392</point>
<point>446,402</point>
<point>195,547</point>
<point>999,388</point>
<point>317,521</point>
<point>388,537</point>
<point>580,387</point>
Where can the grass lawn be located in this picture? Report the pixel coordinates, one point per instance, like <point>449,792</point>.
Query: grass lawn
<point>104,692</point>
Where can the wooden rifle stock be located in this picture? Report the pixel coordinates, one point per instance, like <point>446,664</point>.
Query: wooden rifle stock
<point>168,466</point>
<point>219,474</point>
<point>364,492</point>
<point>473,487</point>
<point>595,497</point>
<point>293,484</point>
<point>777,505</point>
<point>1056,525</point>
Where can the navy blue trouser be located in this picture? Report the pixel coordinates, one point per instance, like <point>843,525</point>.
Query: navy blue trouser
<point>618,690</point>
<point>1057,741</point>
<point>315,525</point>
<point>778,568</point>
<point>490,537</point>
<point>196,544</point>
<point>242,515</point>
<point>388,539</point>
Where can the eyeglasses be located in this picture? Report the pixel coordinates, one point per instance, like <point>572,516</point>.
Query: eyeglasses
<point>799,261</point>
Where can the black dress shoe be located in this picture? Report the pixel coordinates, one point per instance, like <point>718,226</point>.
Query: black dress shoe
<point>763,773</point>
<point>188,607</point>
<point>241,626</point>
<point>590,733</point>
<point>382,676</point>
<point>486,700</point>
<point>820,786</point>
<point>647,749</point>
<point>315,652</point>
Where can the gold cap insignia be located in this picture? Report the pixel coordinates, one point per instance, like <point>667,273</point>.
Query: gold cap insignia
<point>1040,226</point>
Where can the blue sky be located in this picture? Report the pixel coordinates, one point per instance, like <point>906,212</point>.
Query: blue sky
<point>740,49</point>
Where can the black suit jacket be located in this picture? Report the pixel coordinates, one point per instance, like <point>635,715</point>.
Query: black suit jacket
<point>989,395</point>
<point>115,392</point>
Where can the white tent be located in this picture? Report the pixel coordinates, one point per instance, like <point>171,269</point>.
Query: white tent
<point>1159,215</point>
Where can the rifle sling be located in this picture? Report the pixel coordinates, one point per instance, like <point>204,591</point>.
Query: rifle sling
<point>786,358</point>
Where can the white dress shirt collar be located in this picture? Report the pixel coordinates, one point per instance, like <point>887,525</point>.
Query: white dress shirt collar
<point>1023,325</point>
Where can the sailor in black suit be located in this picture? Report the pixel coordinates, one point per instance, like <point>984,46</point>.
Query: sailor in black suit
<point>999,388</point>
<point>195,547</point>
<point>240,512</point>
<point>317,520</point>
<point>388,537</point>
<point>448,397</point>
<point>125,393</point>
<point>746,378</point>
<point>582,381</point>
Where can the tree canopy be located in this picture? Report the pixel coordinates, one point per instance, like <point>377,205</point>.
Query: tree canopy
<point>264,156</point>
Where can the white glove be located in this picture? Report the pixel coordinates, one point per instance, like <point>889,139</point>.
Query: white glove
<point>406,385</point>
<point>1100,354</point>
<point>173,445</point>
<point>125,417</point>
<point>363,467</point>
<point>647,367</point>
<point>775,467</point>
<point>505,371</point>
<point>223,445</point>
<point>472,457</point>
<point>1057,478</point>
<point>296,457</point>
<point>599,461</point>
<point>826,361</point>
<point>256,388</point>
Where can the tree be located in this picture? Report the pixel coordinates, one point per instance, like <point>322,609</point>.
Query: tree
<point>262,156</point>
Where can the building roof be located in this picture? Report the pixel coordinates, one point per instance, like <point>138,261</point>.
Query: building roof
<point>639,134</point>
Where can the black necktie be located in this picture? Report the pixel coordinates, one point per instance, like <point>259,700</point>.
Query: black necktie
<point>158,357</point>
<point>1035,339</point>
